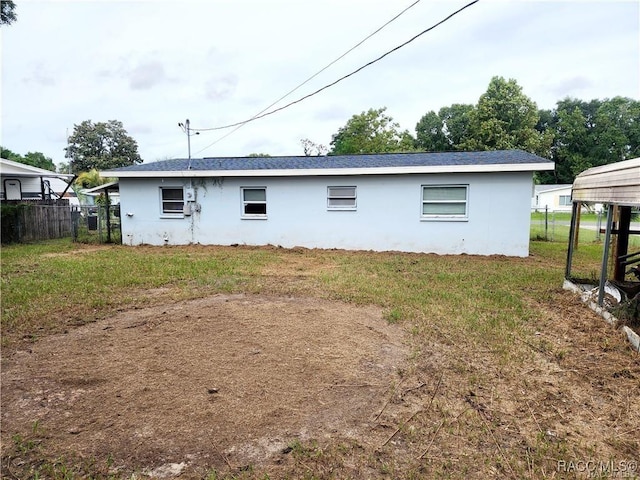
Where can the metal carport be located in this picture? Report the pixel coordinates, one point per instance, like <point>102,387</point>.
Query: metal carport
<point>617,187</point>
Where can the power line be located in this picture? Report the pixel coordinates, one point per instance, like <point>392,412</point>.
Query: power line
<point>242,124</point>
<point>263,114</point>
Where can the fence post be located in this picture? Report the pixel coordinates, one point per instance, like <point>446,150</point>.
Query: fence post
<point>546,223</point>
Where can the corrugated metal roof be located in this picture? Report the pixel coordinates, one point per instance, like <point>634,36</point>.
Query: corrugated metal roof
<point>616,183</point>
<point>385,163</point>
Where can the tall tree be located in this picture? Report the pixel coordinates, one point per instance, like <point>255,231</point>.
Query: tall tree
<point>505,118</point>
<point>371,132</point>
<point>35,159</point>
<point>446,130</point>
<point>456,120</point>
<point>7,12</point>
<point>430,134</point>
<point>101,146</point>
<point>617,130</point>
<point>38,159</point>
<point>9,155</point>
<point>588,134</point>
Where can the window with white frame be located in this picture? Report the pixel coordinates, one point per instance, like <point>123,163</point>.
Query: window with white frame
<point>172,200</point>
<point>565,200</point>
<point>446,202</point>
<point>341,198</point>
<point>254,202</point>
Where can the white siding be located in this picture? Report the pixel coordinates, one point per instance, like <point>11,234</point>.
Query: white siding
<point>387,217</point>
<point>550,199</point>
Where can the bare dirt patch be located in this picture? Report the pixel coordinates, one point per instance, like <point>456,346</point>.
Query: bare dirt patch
<point>224,381</point>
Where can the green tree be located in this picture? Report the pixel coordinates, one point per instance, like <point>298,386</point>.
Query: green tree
<point>617,130</point>
<point>456,120</point>
<point>446,130</point>
<point>430,134</point>
<point>35,159</point>
<point>505,118</point>
<point>371,132</point>
<point>101,146</point>
<point>7,12</point>
<point>588,134</point>
<point>9,155</point>
<point>38,159</point>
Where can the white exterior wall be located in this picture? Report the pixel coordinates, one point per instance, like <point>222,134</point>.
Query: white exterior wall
<point>550,199</point>
<point>388,215</point>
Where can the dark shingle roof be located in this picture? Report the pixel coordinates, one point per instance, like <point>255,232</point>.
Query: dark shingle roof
<point>384,160</point>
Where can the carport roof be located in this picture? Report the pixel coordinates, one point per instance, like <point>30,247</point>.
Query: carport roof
<point>386,163</point>
<point>616,183</point>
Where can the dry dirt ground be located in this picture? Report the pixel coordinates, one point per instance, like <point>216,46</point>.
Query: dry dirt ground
<point>225,380</point>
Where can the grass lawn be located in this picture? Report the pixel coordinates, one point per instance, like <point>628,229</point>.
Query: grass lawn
<point>517,376</point>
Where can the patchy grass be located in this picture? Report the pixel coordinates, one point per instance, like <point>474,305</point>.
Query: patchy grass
<point>510,374</point>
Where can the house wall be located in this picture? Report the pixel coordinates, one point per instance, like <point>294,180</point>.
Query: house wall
<point>551,200</point>
<point>388,215</point>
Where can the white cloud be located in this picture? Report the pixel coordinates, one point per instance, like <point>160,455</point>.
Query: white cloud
<point>220,88</point>
<point>146,75</point>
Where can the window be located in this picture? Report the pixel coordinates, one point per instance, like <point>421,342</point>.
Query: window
<point>565,200</point>
<point>341,198</point>
<point>172,200</point>
<point>447,202</point>
<point>254,202</point>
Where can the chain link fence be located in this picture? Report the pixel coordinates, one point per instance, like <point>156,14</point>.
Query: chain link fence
<point>96,224</point>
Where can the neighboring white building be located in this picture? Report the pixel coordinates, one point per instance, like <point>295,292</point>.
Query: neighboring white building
<point>24,182</point>
<point>446,203</point>
<point>552,198</point>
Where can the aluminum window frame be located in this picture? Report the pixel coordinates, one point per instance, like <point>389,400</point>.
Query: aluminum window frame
<point>333,196</point>
<point>244,203</point>
<point>444,216</point>
<point>171,213</point>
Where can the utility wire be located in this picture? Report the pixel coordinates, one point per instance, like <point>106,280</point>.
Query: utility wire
<point>315,74</point>
<point>242,124</point>
<point>263,114</point>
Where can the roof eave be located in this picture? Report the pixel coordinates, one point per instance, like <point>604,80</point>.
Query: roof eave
<point>493,168</point>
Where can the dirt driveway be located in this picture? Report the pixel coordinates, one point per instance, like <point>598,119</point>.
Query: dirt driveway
<point>225,381</point>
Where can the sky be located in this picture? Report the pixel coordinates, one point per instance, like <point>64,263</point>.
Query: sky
<point>153,64</point>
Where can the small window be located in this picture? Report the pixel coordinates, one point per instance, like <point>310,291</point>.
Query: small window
<point>565,200</point>
<point>448,202</point>
<point>341,198</point>
<point>254,202</point>
<point>172,200</point>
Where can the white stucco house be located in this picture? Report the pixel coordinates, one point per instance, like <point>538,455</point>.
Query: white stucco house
<point>552,198</point>
<point>446,203</point>
<point>25,182</point>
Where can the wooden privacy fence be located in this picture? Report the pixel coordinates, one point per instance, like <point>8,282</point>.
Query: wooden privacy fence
<point>35,221</point>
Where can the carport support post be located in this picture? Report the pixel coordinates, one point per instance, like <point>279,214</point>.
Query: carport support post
<point>575,208</point>
<point>622,243</point>
<point>605,254</point>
